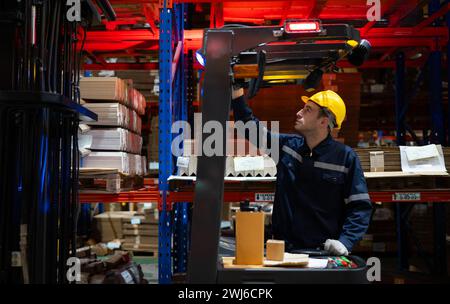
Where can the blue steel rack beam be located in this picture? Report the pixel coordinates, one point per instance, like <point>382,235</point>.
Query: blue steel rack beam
<point>180,236</point>
<point>172,107</point>
<point>165,138</point>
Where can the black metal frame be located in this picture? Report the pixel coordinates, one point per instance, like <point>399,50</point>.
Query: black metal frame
<point>39,184</point>
<point>39,158</point>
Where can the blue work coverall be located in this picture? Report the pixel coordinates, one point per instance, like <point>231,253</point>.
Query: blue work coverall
<point>320,194</point>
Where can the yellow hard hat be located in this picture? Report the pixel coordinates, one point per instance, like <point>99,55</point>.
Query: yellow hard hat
<point>332,101</point>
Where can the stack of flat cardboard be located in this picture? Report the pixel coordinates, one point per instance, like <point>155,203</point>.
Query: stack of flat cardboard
<point>391,155</point>
<point>109,224</point>
<point>141,231</point>
<point>103,88</point>
<point>137,101</point>
<point>141,164</point>
<point>97,180</point>
<point>115,139</point>
<point>117,104</point>
<point>124,162</point>
<point>115,115</point>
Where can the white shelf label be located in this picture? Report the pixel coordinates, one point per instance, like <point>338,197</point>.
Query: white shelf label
<point>409,196</point>
<point>248,163</point>
<point>135,221</point>
<point>16,259</point>
<point>264,197</point>
<point>183,162</point>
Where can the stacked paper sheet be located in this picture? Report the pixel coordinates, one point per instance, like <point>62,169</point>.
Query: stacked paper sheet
<point>124,162</point>
<point>103,88</point>
<point>118,106</point>
<point>116,139</point>
<point>109,89</point>
<point>115,115</point>
<point>137,101</point>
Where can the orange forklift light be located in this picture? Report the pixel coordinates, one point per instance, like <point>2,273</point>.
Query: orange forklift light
<point>302,27</point>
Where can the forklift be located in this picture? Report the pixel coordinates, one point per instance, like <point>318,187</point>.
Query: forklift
<point>233,54</point>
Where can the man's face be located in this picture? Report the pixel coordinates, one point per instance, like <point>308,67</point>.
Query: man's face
<point>308,118</point>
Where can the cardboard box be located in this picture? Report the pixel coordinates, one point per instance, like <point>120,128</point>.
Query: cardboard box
<point>139,239</point>
<point>109,224</point>
<point>275,250</point>
<point>249,238</point>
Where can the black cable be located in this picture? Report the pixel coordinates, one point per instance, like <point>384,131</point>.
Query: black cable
<point>73,57</point>
<point>17,148</point>
<point>56,57</point>
<point>51,47</point>
<point>65,59</point>
<point>80,58</point>
<point>32,203</point>
<point>65,188</point>
<point>39,166</point>
<point>4,216</point>
<point>33,70</point>
<point>56,196</point>
<point>75,207</point>
<point>26,70</point>
<point>42,44</point>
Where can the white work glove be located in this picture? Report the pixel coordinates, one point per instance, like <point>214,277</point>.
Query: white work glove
<point>335,247</point>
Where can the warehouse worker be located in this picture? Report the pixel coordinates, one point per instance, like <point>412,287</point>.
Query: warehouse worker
<point>321,195</point>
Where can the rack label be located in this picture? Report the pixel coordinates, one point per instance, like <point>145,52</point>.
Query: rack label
<point>16,259</point>
<point>265,197</point>
<point>183,162</point>
<point>135,221</point>
<point>406,196</point>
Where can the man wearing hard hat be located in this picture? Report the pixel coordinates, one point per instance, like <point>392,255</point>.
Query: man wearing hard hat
<point>321,195</point>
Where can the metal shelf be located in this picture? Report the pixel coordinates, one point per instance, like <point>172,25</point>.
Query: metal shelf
<point>241,192</point>
<point>138,196</point>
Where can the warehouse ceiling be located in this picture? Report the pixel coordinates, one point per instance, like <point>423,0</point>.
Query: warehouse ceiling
<point>131,42</point>
<point>133,36</point>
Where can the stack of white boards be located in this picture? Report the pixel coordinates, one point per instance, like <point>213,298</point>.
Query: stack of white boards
<point>115,139</point>
<point>132,164</point>
<point>115,115</point>
<point>104,89</point>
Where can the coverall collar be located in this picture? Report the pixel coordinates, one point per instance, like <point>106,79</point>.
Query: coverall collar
<point>320,149</point>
